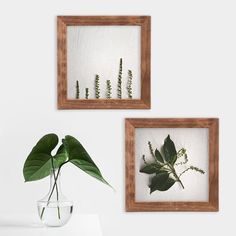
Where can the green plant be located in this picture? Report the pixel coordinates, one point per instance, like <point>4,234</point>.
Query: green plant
<point>129,84</point>
<point>119,84</point>
<point>40,161</point>
<point>86,93</point>
<point>97,87</point>
<point>77,89</point>
<point>165,162</point>
<point>109,88</point>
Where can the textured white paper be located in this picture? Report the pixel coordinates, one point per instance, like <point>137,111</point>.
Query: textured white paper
<point>95,50</point>
<point>195,141</point>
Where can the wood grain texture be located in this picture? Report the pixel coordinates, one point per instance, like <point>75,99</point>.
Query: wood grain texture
<point>212,124</point>
<point>144,102</point>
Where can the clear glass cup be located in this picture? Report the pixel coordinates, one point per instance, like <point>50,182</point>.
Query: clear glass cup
<point>55,209</point>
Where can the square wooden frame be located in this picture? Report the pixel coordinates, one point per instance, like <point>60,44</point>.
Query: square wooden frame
<point>212,124</point>
<point>144,102</point>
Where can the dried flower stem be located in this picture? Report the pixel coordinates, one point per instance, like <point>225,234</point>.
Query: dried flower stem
<point>119,85</point>
<point>151,148</point>
<point>109,88</point>
<point>180,153</point>
<point>129,84</point>
<point>86,93</point>
<point>193,168</point>
<point>97,87</point>
<point>77,89</point>
<point>144,159</point>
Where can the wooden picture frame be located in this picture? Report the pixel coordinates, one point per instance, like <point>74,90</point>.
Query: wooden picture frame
<point>212,124</point>
<point>145,98</point>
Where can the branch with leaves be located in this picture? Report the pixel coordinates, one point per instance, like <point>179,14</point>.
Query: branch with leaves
<point>108,89</point>
<point>77,90</point>
<point>129,84</point>
<point>119,84</point>
<point>164,166</point>
<point>97,87</point>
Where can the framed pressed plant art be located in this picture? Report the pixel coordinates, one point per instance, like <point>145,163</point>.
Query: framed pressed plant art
<point>172,164</point>
<point>104,62</point>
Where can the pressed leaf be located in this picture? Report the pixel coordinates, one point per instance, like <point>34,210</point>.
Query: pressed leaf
<point>38,163</point>
<point>150,168</point>
<point>169,150</point>
<point>169,183</point>
<point>159,156</point>
<point>161,182</point>
<point>79,157</point>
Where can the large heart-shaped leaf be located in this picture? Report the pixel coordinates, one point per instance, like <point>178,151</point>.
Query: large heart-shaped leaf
<point>39,162</point>
<point>61,150</point>
<point>169,150</point>
<point>161,182</point>
<point>37,166</point>
<point>79,157</point>
<point>151,168</point>
<point>46,144</point>
<point>61,156</point>
<point>159,156</point>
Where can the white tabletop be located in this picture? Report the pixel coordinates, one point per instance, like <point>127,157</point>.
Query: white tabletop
<point>29,225</point>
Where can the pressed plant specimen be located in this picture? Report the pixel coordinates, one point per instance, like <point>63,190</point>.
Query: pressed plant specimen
<point>108,89</point>
<point>129,84</point>
<point>97,87</point>
<point>119,83</point>
<point>77,89</point>
<point>40,163</point>
<point>86,93</point>
<point>162,169</point>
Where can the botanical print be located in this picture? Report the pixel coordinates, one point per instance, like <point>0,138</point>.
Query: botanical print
<point>101,59</point>
<point>163,167</point>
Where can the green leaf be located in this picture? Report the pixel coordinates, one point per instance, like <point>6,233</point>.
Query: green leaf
<point>90,169</point>
<point>38,163</point>
<point>170,151</point>
<point>161,182</point>
<point>61,156</point>
<point>61,150</point>
<point>79,157</point>
<point>59,159</point>
<point>150,168</point>
<point>46,144</point>
<point>169,183</point>
<point>159,156</point>
<point>37,166</point>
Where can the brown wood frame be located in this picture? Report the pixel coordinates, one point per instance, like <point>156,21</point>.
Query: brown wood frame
<point>64,102</point>
<point>212,124</point>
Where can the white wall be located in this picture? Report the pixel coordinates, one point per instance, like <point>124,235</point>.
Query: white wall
<point>193,75</point>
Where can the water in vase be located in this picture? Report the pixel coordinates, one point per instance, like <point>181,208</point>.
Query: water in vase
<point>55,216</point>
<point>55,209</point>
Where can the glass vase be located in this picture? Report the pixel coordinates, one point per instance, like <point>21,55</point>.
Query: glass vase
<point>55,209</point>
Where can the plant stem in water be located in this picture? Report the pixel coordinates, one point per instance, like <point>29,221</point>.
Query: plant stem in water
<point>54,176</point>
<point>55,182</point>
